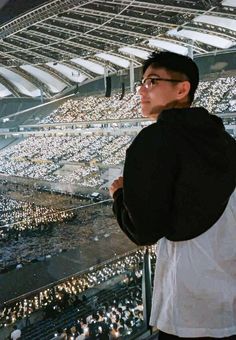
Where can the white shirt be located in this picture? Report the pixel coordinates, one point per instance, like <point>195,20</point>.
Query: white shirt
<point>80,337</point>
<point>194,291</point>
<point>16,334</point>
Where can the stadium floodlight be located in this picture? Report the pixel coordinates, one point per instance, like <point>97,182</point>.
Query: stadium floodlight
<point>68,72</point>
<point>137,52</point>
<point>54,84</point>
<point>89,65</point>
<point>114,59</point>
<point>167,45</point>
<point>227,23</point>
<point>209,39</point>
<point>22,85</point>
<point>230,3</point>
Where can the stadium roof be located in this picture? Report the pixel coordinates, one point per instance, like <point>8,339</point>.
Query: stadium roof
<point>64,42</point>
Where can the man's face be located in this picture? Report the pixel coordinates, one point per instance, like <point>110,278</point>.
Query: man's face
<point>157,95</point>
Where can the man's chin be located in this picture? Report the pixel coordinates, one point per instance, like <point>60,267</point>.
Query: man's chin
<point>145,113</point>
<point>150,115</point>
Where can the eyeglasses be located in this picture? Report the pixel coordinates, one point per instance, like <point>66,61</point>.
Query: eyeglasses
<point>149,82</point>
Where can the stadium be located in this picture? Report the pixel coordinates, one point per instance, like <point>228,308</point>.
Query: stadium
<point>69,111</point>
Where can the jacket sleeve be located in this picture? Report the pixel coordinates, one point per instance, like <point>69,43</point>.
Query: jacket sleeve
<point>144,207</point>
<point>121,214</point>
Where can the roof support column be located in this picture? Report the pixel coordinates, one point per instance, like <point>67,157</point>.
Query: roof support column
<point>105,77</point>
<point>41,95</point>
<point>190,49</point>
<point>131,76</point>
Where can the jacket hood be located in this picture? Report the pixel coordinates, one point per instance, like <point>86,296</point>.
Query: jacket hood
<point>196,117</point>
<point>206,134</point>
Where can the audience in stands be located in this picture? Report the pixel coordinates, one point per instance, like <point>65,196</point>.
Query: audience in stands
<point>118,313</point>
<point>96,108</point>
<point>43,157</point>
<point>40,157</point>
<point>217,95</point>
<point>222,93</point>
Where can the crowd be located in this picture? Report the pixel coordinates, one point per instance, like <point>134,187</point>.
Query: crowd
<point>18,216</point>
<point>96,108</point>
<point>37,231</point>
<point>217,96</point>
<point>43,157</point>
<point>115,318</point>
<point>74,292</point>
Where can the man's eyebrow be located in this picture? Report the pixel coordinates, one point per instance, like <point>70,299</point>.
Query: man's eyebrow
<point>153,74</point>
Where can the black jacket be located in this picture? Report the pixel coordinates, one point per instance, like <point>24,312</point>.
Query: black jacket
<point>178,176</point>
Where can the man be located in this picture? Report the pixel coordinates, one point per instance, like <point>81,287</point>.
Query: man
<point>179,189</point>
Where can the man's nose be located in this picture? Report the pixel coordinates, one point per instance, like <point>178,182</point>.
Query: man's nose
<point>142,89</point>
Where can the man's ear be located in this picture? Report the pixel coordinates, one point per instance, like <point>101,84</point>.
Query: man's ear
<point>183,89</point>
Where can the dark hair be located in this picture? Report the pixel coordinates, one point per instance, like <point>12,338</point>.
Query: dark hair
<point>176,63</point>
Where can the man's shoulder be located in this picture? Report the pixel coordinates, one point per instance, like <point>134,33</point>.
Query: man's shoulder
<point>155,133</point>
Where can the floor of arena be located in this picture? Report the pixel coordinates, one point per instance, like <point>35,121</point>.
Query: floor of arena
<point>46,270</point>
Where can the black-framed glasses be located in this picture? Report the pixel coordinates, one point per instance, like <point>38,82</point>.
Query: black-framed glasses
<point>149,82</point>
